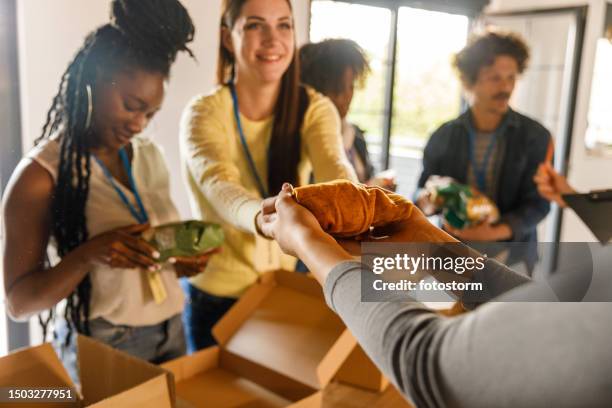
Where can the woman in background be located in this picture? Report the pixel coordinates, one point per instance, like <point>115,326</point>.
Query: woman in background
<point>333,67</point>
<point>258,129</point>
<point>91,186</point>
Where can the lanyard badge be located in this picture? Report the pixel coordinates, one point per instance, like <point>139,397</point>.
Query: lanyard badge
<point>139,213</point>
<point>260,185</point>
<point>156,284</point>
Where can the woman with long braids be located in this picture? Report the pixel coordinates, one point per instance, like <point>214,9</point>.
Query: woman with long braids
<point>91,186</point>
<point>258,129</point>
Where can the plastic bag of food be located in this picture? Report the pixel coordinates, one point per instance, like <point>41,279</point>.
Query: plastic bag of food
<point>461,205</point>
<point>187,238</point>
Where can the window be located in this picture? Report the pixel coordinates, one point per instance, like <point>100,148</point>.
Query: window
<point>332,19</point>
<point>598,138</point>
<point>10,142</point>
<point>599,131</point>
<point>425,92</point>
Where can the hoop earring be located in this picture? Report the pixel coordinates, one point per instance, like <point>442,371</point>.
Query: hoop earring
<point>233,72</point>
<point>89,107</point>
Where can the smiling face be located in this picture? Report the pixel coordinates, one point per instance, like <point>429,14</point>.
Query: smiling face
<point>262,40</point>
<point>124,104</point>
<point>494,85</point>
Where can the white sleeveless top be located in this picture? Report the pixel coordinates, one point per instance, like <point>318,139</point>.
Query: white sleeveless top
<point>123,296</point>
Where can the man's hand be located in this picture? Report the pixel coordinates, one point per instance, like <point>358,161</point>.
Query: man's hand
<point>424,202</point>
<point>481,232</point>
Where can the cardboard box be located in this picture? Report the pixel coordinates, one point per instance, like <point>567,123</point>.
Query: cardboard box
<point>109,378</point>
<point>278,346</point>
<point>359,371</point>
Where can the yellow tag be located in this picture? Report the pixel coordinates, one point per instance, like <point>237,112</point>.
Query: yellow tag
<point>158,290</point>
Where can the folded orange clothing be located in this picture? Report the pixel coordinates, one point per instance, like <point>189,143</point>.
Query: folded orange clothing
<point>346,209</point>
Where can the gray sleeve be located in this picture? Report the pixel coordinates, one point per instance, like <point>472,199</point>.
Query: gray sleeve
<point>496,280</point>
<point>502,354</point>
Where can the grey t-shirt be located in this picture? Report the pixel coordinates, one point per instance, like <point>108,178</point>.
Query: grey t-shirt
<point>502,354</point>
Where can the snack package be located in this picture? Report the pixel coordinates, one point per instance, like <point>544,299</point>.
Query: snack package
<point>461,205</point>
<point>187,238</point>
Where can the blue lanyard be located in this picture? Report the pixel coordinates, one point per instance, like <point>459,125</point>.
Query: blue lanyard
<point>245,147</point>
<point>480,173</point>
<point>141,214</point>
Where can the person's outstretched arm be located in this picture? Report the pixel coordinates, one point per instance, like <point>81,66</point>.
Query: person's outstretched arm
<point>502,354</point>
<point>204,132</point>
<point>552,185</point>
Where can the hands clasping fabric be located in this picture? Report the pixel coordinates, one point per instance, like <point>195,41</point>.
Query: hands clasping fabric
<point>346,209</point>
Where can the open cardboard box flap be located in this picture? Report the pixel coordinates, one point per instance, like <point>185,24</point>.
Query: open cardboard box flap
<point>359,371</point>
<point>109,378</point>
<point>283,323</point>
<point>35,367</point>
<point>216,378</point>
<point>278,346</point>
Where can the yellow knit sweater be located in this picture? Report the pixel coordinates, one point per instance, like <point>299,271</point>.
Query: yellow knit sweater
<point>223,189</point>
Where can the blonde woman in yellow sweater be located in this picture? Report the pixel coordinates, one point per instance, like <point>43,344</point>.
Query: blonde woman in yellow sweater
<point>258,129</point>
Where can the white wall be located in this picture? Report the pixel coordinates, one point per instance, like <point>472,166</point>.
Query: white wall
<point>521,5</point>
<point>50,32</point>
<point>586,171</point>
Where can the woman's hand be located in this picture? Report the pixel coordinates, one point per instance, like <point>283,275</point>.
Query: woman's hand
<point>119,248</point>
<point>288,222</point>
<point>551,185</point>
<point>298,233</point>
<point>188,266</point>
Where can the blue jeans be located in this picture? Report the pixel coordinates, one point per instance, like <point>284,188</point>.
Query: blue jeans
<point>156,344</point>
<point>202,311</point>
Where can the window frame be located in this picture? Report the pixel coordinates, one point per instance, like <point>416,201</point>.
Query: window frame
<point>469,8</point>
<point>17,333</point>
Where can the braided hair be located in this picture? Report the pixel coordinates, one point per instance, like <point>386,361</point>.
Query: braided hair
<point>145,34</point>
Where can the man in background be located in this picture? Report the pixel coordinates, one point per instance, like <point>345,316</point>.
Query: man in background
<point>490,146</point>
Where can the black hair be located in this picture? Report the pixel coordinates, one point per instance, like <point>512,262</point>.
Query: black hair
<point>144,34</point>
<point>324,64</point>
<point>482,50</point>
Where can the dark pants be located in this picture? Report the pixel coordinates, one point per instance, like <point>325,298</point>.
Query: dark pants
<point>202,311</point>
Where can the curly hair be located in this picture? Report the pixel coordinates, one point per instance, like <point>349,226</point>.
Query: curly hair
<point>482,50</point>
<point>324,64</point>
